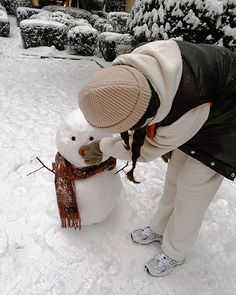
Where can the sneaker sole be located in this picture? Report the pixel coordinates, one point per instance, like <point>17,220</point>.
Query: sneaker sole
<point>163,273</point>
<point>157,276</point>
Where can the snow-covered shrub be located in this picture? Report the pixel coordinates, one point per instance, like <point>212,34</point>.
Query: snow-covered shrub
<point>100,13</point>
<point>61,17</point>
<point>79,22</point>
<point>118,21</point>
<point>43,14</point>
<point>227,25</point>
<point>68,20</point>
<point>35,32</point>
<point>83,40</point>
<point>191,20</point>
<point>4,22</point>
<point>12,5</point>
<point>97,14</point>
<point>103,25</point>
<point>72,11</point>
<point>25,13</point>
<point>113,44</point>
<point>93,19</point>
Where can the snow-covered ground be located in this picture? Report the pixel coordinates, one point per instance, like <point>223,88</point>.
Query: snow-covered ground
<point>37,257</point>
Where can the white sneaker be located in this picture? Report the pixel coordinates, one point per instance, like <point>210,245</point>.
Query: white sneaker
<point>145,236</point>
<point>161,265</point>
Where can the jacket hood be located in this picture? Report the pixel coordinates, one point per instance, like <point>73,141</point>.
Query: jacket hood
<point>161,64</point>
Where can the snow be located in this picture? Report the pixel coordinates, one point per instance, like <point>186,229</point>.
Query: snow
<point>3,16</point>
<point>118,14</point>
<point>37,257</point>
<point>112,36</point>
<point>191,18</point>
<point>42,15</point>
<point>41,23</point>
<point>82,30</point>
<point>230,31</point>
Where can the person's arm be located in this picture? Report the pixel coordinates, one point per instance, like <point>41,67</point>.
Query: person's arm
<point>166,139</point>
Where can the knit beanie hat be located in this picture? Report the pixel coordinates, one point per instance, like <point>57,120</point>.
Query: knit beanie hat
<point>115,98</point>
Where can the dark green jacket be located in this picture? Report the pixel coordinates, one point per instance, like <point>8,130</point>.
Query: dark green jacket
<point>209,75</point>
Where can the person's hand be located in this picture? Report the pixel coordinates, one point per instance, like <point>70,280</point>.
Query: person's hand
<point>91,153</point>
<point>166,157</point>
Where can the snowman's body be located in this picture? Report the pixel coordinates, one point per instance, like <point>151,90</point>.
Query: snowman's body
<point>98,194</point>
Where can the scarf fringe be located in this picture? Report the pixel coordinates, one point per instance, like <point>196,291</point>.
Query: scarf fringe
<point>71,223</point>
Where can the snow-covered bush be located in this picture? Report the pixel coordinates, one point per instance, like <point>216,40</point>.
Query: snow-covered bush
<point>72,11</point>
<point>100,13</point>
<point>63,18</point>
<point>93,19</point>
<point>68,20</point>
<point>118,21</point>
<point>25,13</point>
<point>12,5</point>
<point>97,14</point>
<point>103,25</point>
<point>36,32</point>
<point>201,21</point>
<point>83,40</point>
<point>4,22</point>
<point>41,15</point>
<point>113,44</point>
<point>227,25</point>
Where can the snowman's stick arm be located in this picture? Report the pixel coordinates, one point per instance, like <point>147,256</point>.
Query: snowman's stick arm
<point>45,165</point>
<point>35,171</point>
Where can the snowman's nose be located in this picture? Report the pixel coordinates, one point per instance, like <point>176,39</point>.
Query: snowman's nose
<point>81,152</point>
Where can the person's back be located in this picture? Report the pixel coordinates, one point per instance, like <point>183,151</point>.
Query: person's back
<point>208,75</point>
<point>194,116</point>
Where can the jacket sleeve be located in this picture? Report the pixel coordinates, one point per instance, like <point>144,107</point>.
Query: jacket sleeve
<point>166,139</point>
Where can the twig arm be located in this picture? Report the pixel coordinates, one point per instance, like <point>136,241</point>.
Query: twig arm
<point>45,165</point>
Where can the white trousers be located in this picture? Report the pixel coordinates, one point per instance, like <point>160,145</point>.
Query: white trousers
<point>189,188</point>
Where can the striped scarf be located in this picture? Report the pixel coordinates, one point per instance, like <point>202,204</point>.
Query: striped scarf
<point>65,176</point>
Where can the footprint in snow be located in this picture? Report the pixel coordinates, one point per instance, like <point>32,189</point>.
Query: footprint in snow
<point>55,239</point>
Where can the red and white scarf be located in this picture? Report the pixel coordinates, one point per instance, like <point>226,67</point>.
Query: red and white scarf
<point>65,175</point>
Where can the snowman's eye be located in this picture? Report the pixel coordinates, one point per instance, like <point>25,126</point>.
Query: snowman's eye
<point>73,138</point>
<point>91,138</point>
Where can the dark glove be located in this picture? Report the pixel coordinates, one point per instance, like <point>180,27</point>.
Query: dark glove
<point>91,153</point>
<point>166,157</point>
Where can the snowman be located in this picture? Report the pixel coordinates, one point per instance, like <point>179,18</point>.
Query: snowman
<point>96,195</point>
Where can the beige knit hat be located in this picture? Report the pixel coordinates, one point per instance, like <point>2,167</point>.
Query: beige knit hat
<point>115,98</point>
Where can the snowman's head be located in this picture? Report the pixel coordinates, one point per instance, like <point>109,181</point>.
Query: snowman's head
<point>74,132</point>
